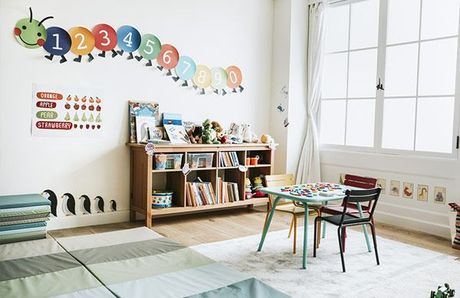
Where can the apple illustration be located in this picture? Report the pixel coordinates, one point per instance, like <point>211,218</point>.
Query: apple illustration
<point>67,106</point>
<point>91,100</point>
<point>83,107</point>
<point>98,100</point>
<point>76,98</point>
<point>69,98</point>
<point>76,106</point>
<point>83,99</point>
<point>91,108</point>
<point>98,108</point>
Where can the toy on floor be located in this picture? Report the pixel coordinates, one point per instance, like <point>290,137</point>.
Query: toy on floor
<point>443,292</point>
<point>247,189</point>
<point>256,192</point>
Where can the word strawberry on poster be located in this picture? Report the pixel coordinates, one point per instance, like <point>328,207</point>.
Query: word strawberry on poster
<point>61,111</point>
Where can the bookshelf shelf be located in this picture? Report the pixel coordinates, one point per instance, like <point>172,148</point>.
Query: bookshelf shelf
<point>144,178</point>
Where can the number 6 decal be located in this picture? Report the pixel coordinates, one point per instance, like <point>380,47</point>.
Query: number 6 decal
<point>168,57</point>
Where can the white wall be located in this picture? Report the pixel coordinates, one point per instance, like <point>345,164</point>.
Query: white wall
<point>216,33</point>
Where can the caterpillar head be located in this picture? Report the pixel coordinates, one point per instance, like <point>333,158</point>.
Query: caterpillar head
<point>31,33</point>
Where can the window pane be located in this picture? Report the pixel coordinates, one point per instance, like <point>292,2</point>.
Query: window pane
<point>398,123</point>
<point>363,72</point>
<point>333,121</point>
<point>438,61</point>
<point>335,76</point>
<point>435,118</point>
<point>360,122</point>
<point>364,24</point>
<point>403,20</point>
<point>439,18</point>
<point>337,28</point>
<point>401,70</point>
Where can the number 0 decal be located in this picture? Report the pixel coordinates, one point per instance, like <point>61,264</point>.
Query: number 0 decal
<point>168,56</point>
<point>234,77</point>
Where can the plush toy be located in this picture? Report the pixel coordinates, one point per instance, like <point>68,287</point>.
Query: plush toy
<point>257,186</point>
<point>235,134</point>
<point>209,135</point>
<point>247,189</point>
<point>248,135</point>
<point>194,134</point>
<point>443,291</point>
<point>266,139</point>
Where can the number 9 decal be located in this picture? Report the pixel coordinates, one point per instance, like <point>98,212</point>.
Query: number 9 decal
<point>202,77</point>
<point>219,78</point>
<point>168,56</point>
<point>234,77</point>
<point>128,39</point>
<point>150,47</point>
<point>185,68</point>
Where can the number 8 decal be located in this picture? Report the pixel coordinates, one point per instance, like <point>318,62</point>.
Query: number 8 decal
<point>202,77</point>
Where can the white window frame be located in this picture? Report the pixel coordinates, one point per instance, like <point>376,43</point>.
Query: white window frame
<point>379,98</point>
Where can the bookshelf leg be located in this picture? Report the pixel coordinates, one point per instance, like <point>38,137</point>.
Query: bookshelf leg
<point>267,225</point>
<point>149,221</point>
<point>132,215</point>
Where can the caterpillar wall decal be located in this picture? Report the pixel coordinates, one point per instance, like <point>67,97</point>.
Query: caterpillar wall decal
<point>80,41</point>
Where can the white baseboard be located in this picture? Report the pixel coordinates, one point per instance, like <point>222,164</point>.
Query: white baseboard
<point>413,224</point>
<point>74,221</point>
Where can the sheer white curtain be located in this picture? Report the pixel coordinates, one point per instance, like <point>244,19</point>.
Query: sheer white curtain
<point>308,169</point>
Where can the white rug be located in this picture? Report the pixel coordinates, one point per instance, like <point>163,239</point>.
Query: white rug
<point>405,270</point>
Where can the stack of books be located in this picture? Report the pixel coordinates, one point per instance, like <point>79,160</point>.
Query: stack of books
<point>200,193</point>
<point>228,159</point>
<point>227,192</point>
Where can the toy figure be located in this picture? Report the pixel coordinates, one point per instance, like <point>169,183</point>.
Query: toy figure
<point>256,192</point>
<point>443,292</point>
<point>194,134</point>
<point>248,135</point>
<point>209,135</point>
<point>235,134</point>
<point>247,189</point>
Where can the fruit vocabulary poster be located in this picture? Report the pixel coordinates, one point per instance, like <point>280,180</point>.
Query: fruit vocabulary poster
<point>63,111</point>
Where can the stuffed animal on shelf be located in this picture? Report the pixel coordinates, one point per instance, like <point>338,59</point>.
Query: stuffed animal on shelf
<point>257,185</point>
<point>235,134</point>
<point>195,133</point>
<point>248,135</point>
<point>209,135</point>
<point>266,139</point>
<point>247,189</point>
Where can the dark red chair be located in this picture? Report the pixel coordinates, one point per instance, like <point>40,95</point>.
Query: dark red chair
<point>354,181</point>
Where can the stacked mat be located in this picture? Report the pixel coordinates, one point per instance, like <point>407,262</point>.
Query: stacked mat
<point>23,217</point>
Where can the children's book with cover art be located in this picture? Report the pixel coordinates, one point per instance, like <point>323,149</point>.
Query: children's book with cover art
<point>141,109</point>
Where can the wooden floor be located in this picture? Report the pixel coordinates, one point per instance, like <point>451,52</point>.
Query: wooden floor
<point>217,226</point>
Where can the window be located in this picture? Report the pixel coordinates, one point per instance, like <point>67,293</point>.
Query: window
<point>410,47</point>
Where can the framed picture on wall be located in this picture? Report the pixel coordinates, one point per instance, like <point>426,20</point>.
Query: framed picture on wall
<point>395,188</point>
<point>422,192</point>
<point>408,190</point>
<point>440,195</point>
<point>382,183</point>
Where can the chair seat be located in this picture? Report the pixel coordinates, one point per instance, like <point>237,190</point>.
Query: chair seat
<point>349,219</point>
<point>290,208</point>
<point>338,209</point>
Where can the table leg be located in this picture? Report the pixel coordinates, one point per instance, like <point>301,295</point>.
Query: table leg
<point>324,225</point>
<point>369,248</point>
<point>305,236</point>
<point>267,225</point>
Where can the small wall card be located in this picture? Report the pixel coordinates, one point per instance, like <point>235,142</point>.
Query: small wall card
<point>440,195</point>
<point>395,188</point>
<point>66,111</point>
<point>408,190</point>
<point>422,192</point>
<point>382,183</point>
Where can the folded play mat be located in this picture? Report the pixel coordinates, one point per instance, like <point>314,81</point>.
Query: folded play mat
<point>127,263</point>
<point>23,217</point>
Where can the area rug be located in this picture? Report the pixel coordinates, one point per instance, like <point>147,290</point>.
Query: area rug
<point>405,270</point>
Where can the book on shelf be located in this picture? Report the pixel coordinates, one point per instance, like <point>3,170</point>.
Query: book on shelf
<point>227,192</point>
<point>199,194</point>
<point>228,159</point>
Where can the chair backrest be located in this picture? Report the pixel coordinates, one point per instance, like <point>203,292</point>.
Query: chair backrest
<point>361,182</point>
<point>279,180</point>
<point>369,196</point>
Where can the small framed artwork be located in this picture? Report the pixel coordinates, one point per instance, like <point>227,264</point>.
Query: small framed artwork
<point>408,190</point>
<point>155,133</point>
<point>422,192</point>
<point>440,195</point>
<point>395,188</point>
<point>382,183</point>
<point>342,178</point>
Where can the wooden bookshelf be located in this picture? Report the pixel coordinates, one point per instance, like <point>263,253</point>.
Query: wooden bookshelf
<point>144,178</point>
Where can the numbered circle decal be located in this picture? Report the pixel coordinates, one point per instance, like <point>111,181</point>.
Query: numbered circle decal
<point>58,41</point>
<point>129,38</point>
<point>105,37</point>
<point>234,76</point>
<point>185,68</point>
<point>82,40</point>
<point>202,77</point>
<point>168,56</point>
<point>219,78</point>
<point>150,46</point>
